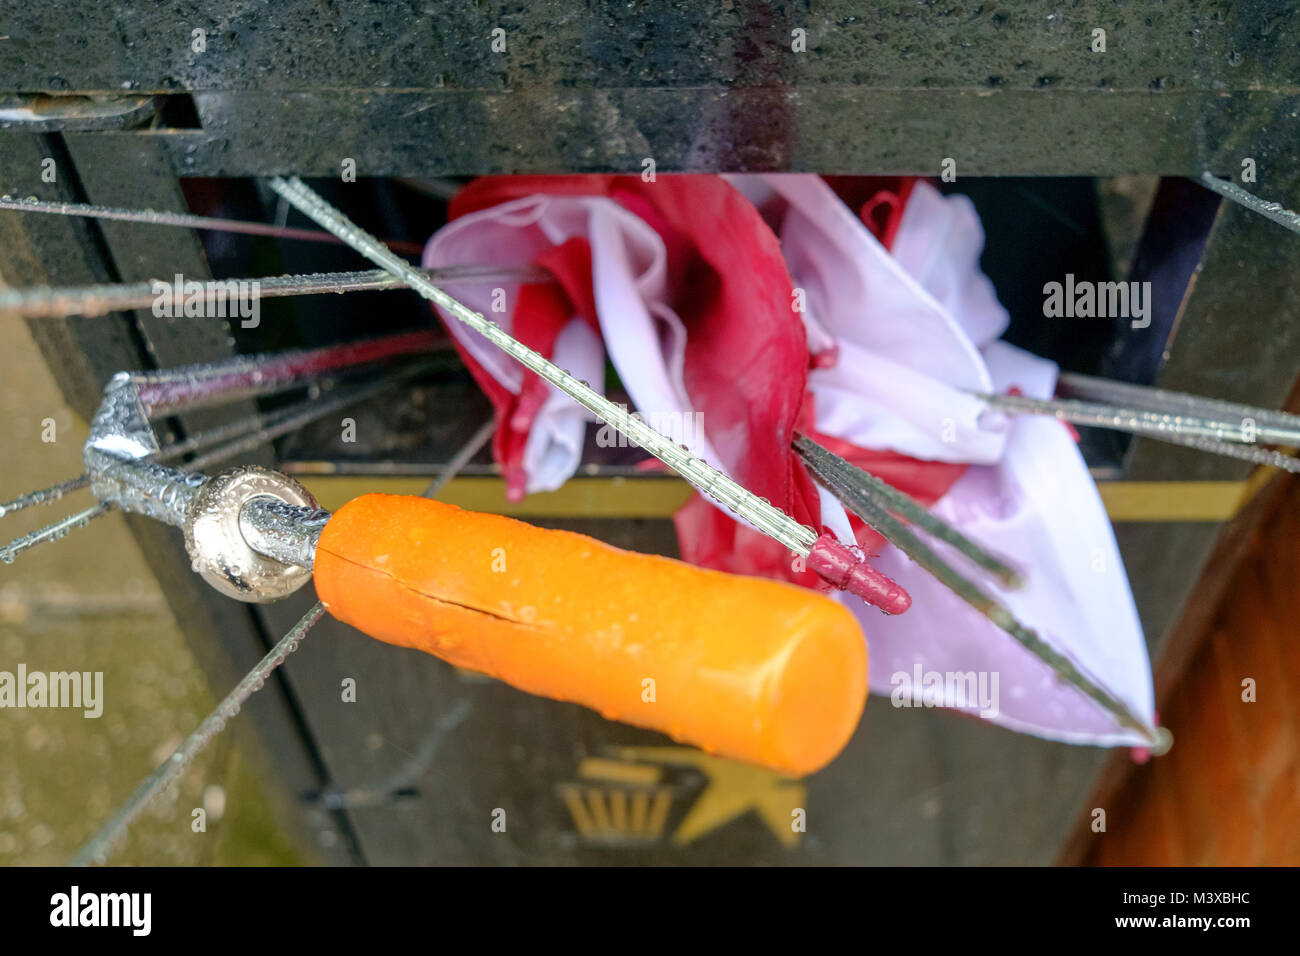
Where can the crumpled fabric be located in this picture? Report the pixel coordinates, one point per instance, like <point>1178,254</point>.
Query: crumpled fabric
<point>688,287</point>
<point>677,319</point>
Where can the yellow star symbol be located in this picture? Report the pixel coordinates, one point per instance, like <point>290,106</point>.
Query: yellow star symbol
<point>733,788</point>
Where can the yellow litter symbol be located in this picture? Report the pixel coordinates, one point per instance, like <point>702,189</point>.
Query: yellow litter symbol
<point>622,804</point>
<point>626,801</point>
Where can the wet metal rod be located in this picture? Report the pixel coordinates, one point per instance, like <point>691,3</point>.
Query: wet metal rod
<point>99,846</point>
<point>246,433</point>
<point>1266,424</point>
<point>1269,210</point>
<point>184,220</point>
<point>275,529</point>
<point>96,300</point>
<point>759,513</point>
<point>1233,438</point>
<point>855,488</point>
<point>826,556</point>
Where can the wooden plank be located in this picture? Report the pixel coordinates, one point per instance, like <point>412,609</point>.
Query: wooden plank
<point>1231,785</point>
